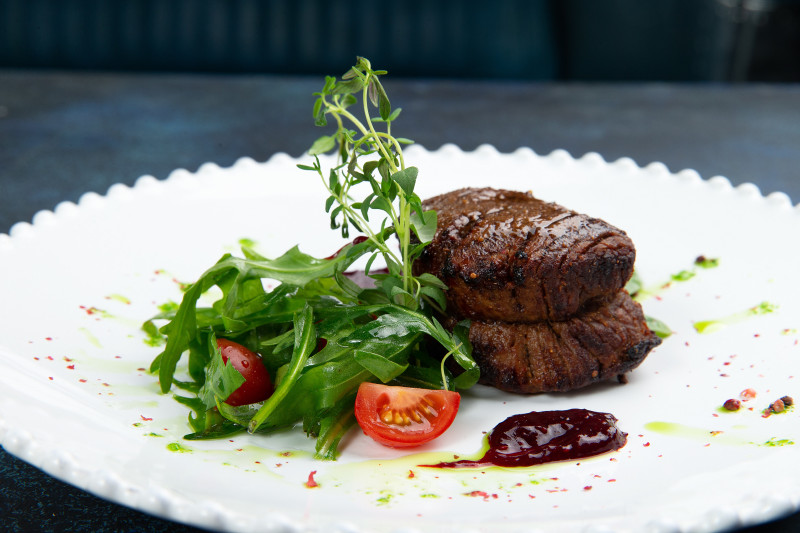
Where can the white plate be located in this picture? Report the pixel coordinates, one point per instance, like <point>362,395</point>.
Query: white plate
<point>77,282</point>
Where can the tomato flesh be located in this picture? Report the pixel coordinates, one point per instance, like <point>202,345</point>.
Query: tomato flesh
<point>257,385</point>
<point>403,417</point>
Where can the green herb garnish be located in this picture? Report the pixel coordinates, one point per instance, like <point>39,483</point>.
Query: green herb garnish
<point>320,334</point>
<point>710,326</point>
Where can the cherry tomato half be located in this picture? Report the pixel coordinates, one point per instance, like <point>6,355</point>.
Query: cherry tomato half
<point>402,417</point>
<point>257,384</point>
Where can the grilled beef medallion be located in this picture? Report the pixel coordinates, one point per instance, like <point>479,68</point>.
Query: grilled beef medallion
<point>508,256</point>
<point>543,287</point>
<point>605,340</point>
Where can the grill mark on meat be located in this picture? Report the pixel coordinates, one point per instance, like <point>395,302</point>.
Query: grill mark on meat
<point>593,348</point>
<point>560,361</point>
<point>507,256</point>
<point>580,363</point>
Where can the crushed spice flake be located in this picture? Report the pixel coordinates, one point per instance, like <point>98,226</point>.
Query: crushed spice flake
<point>481,494</point>
<point>311,483</point>
<point>92,310</point>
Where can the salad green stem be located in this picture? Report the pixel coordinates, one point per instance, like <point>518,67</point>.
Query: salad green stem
<point>305,342</point>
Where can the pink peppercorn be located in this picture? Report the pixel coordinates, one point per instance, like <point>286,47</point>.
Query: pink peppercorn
<point>747,394</point>
<point>777,406</point>
<point>732,404</point>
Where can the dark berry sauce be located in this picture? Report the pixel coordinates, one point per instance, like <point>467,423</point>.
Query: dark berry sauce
<point>545,436</point>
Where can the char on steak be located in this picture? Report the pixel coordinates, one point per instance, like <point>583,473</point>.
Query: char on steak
<point>606,339</point>
<point>508,256</point>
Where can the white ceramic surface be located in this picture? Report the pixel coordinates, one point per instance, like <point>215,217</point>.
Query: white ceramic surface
<point>78,281</point>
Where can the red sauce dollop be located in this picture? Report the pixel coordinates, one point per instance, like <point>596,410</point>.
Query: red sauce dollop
<point>545,436</point>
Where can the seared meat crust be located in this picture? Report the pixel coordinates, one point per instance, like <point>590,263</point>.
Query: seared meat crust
<point>508,256</point>
<point>603,341</point>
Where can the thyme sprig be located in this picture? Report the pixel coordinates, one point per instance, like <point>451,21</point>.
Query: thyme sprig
<point>365,155</point>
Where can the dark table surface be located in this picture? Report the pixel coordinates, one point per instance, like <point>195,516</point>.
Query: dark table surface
<point>63,134</point>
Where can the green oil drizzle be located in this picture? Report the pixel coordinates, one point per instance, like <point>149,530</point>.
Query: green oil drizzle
<point>385,499</point>
<point>774,441</point>
<point>710,326</point>
<point>94,341</point>
<point>178,447</point>
<point>683,275</point>
<point>641,293</point>
<point>673,429</point>
<point>694,433</point>
<point>119,298</point>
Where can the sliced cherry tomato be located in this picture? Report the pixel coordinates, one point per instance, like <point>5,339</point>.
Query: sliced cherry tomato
<point>257,384</point>
<point>402,417</point>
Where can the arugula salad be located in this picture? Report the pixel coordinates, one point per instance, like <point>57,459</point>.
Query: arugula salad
<point>319,349</point>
